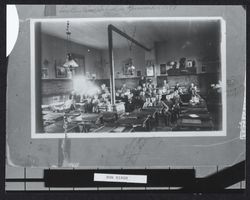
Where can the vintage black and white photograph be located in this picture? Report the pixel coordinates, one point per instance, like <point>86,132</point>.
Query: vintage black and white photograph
<point>104,97</point>
<point>102,93</point>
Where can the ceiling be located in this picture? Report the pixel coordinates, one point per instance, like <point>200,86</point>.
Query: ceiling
<point>93,33</point>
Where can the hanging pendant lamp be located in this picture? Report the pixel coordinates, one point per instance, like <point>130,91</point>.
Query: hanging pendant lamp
<point>70,62</point>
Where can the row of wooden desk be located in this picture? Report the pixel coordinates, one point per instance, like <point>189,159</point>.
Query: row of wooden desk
<point>138,120</point>
<point>191,118</point>
<point>194,117</point>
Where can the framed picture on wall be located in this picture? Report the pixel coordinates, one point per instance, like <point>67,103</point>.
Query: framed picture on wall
<point>61,72</point>
<point>190,63</point>
<point>150,70</point>
<point>203,68</point>
<point>128,68</point>
<point>163,68</point>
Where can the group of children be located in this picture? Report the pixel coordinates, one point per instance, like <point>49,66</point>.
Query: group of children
<point>143,96</point>
<point>147,95</point>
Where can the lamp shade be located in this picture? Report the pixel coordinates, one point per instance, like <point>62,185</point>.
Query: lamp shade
<point>70,63</point>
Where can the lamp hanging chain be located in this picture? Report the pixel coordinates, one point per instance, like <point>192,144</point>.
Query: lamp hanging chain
<point>68,33</point>
<point>70,63</point>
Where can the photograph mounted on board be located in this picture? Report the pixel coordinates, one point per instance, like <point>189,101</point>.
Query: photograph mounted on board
<point>92,92</point>
<point>101,100</point>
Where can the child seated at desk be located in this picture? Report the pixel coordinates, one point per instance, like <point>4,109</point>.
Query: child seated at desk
<point>124,88</point>
<point>129,105</point>
<point>154,92</point>
<point>157,100</point>
<point>176,106</point>
<point>88,107</point>
<point>160,103</point>
<point>153,100</point>
<point>165,87</point>
<point>143,96</point>
<point>138,102</point>
<point>95,103</point>
<point>139,88</point>
<point>195,97</point>
<point>170,111</point>
<point>147,103</point>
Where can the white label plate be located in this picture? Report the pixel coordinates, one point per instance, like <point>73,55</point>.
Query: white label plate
<point>124,178</point>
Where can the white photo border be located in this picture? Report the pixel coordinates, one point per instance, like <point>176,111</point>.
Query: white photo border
<point>220,133</point>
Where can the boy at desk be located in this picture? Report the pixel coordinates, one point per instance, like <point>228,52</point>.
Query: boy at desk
<point>147,103</point>
<point>177,102</point>
<point>195,97</point>
<point>166,99</point>
<point>137,102</point>
<point>95,103</point>
<point>166,87</point>
<point>166,112</point>
<point>88,105</point>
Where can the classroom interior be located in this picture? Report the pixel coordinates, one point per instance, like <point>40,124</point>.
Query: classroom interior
<point>127,76</point>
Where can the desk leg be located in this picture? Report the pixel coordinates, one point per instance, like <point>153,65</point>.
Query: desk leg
<point>148,124</point>
<point>85,128</point>
<point>156,119</point>
<point>80,128</point>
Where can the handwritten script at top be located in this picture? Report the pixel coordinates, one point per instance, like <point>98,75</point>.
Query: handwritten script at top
<point>111,9</point>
